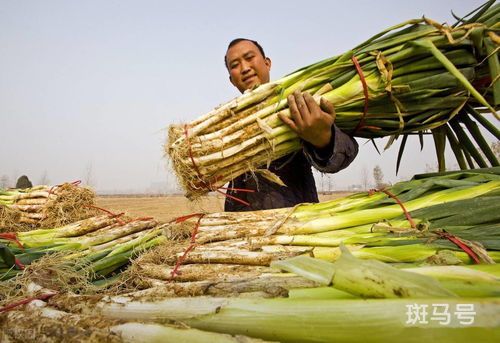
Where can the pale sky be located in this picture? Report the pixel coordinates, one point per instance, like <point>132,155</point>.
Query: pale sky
<point>88,87</point>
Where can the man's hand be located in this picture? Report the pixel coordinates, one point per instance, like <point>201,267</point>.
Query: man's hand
<point>310,121</point>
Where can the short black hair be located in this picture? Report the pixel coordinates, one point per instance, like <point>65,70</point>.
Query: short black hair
<point>236,41</point>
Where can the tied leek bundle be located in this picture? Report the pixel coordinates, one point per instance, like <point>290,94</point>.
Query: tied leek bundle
<point>451,219</point>
<point>378,302</point>
<point>44,206</point>
<point>365,296</point>
<point>415,78</point>
<point>101,244</point>
<point>232,257</point>
<point>54,325</point>
<point>315,320</point>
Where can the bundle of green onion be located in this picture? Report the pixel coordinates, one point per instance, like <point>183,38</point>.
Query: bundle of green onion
<point>419,77</point>
<point>451,219</point>
<point>102,244</point>
<point>347,293</point>
<point>44,206</point>
<point>54,325</point>
<point>359,300</point>
<point>368,300</point>
<point>462,204</point>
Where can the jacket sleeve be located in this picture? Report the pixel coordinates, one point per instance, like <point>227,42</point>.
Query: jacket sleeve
<point>337,155</point>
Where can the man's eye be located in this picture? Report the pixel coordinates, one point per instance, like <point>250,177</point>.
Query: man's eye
<point>233,65</point>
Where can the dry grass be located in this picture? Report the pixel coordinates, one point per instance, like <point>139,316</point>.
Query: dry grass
<point>166,208</point>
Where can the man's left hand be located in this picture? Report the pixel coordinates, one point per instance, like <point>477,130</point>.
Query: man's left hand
<point>311,122</point>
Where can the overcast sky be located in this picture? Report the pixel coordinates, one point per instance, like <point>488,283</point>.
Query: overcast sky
<point>87,88</point>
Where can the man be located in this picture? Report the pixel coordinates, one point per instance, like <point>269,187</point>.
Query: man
<point>324,146</point>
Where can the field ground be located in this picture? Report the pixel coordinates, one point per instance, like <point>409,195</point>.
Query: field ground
<point>166,208</point>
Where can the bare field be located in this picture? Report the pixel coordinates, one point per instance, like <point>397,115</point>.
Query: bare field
<point>166,208</point>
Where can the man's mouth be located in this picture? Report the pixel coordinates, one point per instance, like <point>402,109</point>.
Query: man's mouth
<point>248,78</point>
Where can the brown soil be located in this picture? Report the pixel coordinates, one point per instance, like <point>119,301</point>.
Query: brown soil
<point>166,208</point>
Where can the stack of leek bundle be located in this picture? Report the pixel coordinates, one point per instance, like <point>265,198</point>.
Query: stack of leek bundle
<point>457,207</point>
<point>419,77</point>
<point>102,244</point>
<point>45,206</point>
<point>39,322</point>
<point>361,300</point>
<point>358,297</point>
<point>350,300</point>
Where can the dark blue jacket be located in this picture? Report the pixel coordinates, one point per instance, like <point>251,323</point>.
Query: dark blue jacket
<point>295,171</point>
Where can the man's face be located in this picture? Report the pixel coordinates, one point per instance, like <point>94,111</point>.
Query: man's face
<point>247,67</point>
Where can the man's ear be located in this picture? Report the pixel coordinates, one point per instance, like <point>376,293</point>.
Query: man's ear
<point>268,63</point>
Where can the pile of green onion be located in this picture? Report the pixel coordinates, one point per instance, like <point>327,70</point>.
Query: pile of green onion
<point>231,252</point>
<point>102,244</point>
<point>44,206</point>
<point>351,269</point>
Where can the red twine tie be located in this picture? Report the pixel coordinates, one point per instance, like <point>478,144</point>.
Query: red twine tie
<point>12,306</point>
<point>19,264</point>
<point>462,245</point>
<point>400,203</point>
<point>11,236</point>
<point>192,244</point>
<point>111,214</point>
<point>365,91</point>
<point>74,183</point>
<point>442,234</point>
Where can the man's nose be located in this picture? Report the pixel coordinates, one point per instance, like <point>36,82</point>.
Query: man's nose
<point>245,67</point>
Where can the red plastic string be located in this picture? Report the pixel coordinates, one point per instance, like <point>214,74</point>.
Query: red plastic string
<point>462,245</point>
<point>192,244</point>
<point>184,218</point>
<point>51,189</point>
<point>482,82</point>
<point>74,183</point>
<point>42,297</point>
<point>233,197</point>
<point>400,203</point>
<point>111,214</point>
<point>18,264</point>
<point>204,184</point>
<point>238,189</point>
<point>11,236</point>
<point>454,239</point>
<point>365,91</point>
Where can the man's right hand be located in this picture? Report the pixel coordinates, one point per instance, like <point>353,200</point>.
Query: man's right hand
<point>311,122</point>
